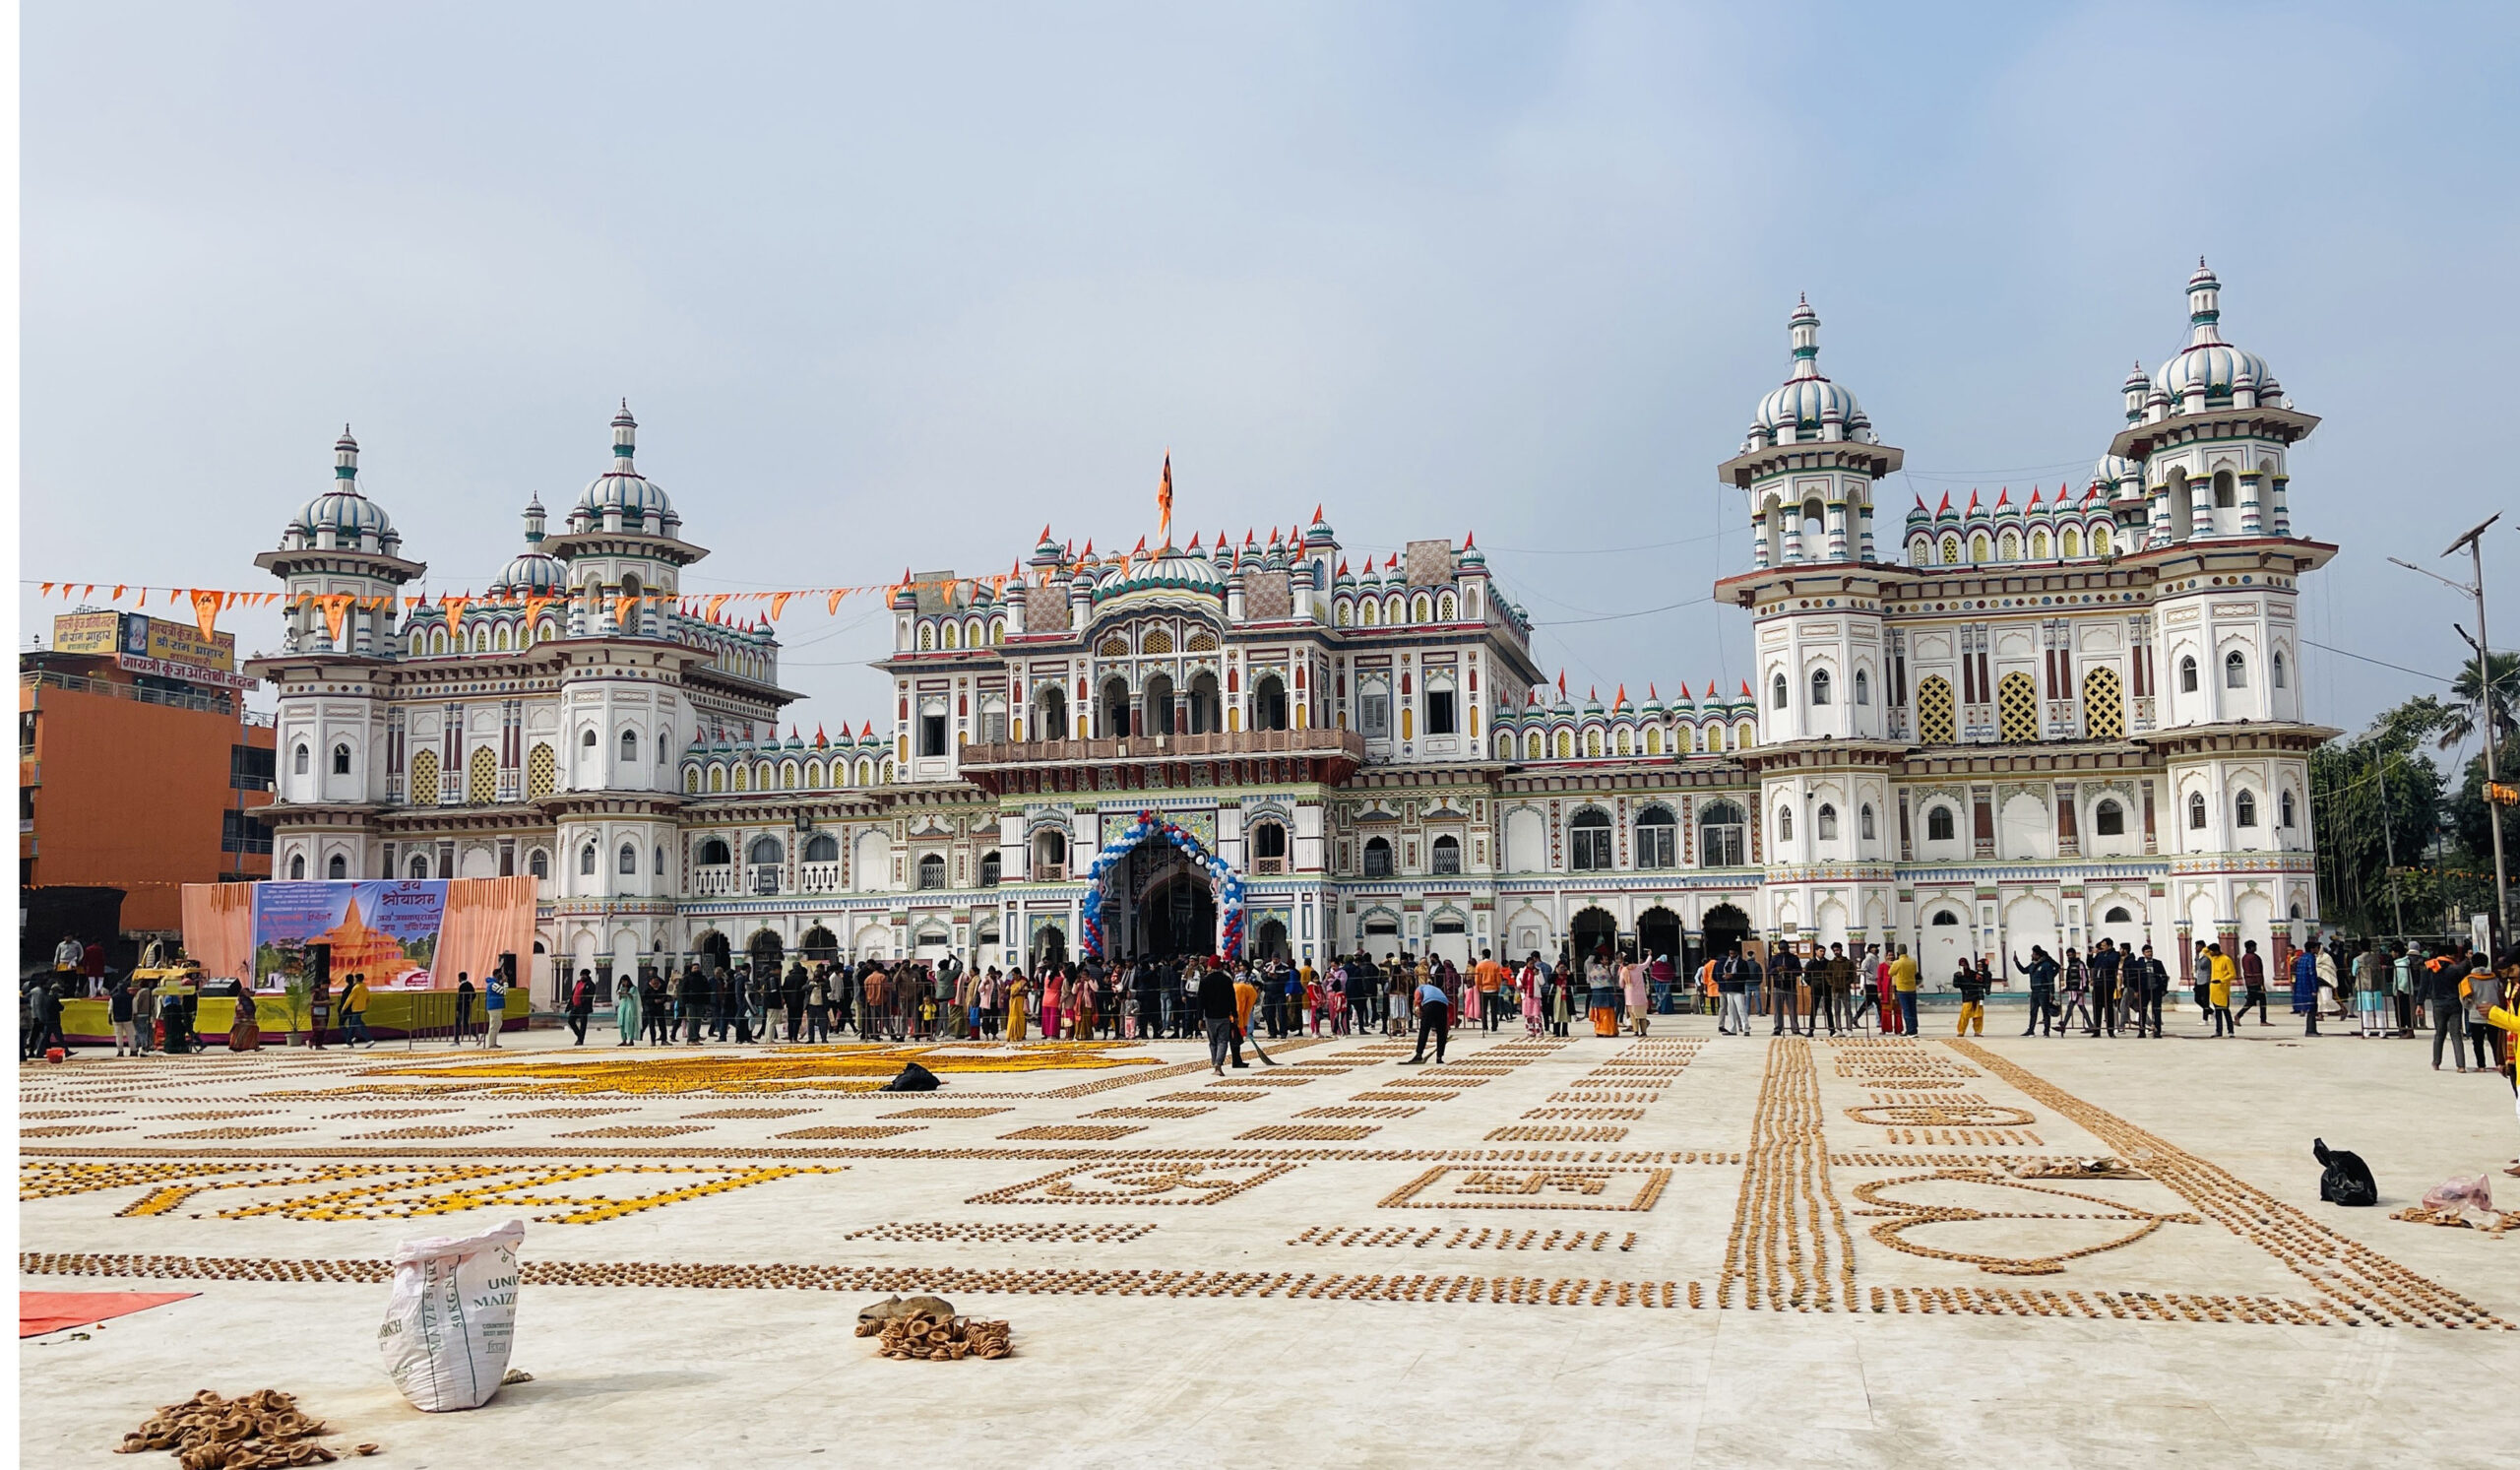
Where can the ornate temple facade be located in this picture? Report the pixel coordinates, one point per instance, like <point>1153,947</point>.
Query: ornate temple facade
<point>2050,721</point>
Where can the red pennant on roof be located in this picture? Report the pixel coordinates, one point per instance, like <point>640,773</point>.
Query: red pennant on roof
<point>1684,690</point>
<point>1618,701</point>
<point>820,739</point>
<point>1745,688</point>
<point>868,731</point>
<point>2003,498</point>
<point>1316,515</point>
<point>1561,683</point>
<point>1652,695</point>
<point>1946,503</point>
<point>1342,566</point>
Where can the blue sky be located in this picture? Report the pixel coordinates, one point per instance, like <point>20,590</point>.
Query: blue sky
<point>892,286</point>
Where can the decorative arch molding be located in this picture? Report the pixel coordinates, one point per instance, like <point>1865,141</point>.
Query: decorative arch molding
<point>1223,881</point>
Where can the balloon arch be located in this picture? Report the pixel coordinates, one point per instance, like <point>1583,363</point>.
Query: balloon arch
<point>1223,880</point>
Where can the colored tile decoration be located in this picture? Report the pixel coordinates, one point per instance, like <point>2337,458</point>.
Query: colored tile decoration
<point>1288,1132</point>
<point>933,1113</point>
<point>1151,1111</point>
<point>1357,1286</point>
<point>1458,1238</point>
<point>1071,1133</point>
<point>2355,1282</point>
<point>1789,1247</point>
<point>1557,1133</point>
<point>1548,1187</point>
<point>1907,1214</point>
<point>802,1070</point>
<point>866,1131</point>
<point>1065,1233</point>
<point>1169,1182</point>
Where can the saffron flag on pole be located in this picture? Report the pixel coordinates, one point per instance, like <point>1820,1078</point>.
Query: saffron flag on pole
<point>1163,502</point>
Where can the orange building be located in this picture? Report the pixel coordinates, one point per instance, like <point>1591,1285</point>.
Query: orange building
<point>138,771</point>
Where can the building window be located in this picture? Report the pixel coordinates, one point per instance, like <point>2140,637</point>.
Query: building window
<point>1940,824</point>
<point>1864,822</point>
<point>932,734</point>
<point>661,861</point>
<point>1862,687</point>
<point>1439,711</point>
<point>1378,857</point>
<point>340,760</point>
<point>586,739</point>
<point>2275,674</point>
<point>1819,687</point>
<point>1776,695</point>
<point>1589,836</point>
<point>1825,829</point>
<point>1049,853</point>
<point>2244,809</point>
<point>1447,856</point>
<point>1721,836</point>
<point>2234,670</point>
<point>1657,838</point>
<point>297,865</point>
<point>238,832</point>
<point>2284,808</point>
<point>297,760</point>
<point>2187,675</point>
<point>1374,713</point>
<point>990,867</point>
<point>338,868</point>
<point>419,867</point>
<point>1785,824</point>
<point>628,864</point>
<point>586,861</point>
<point>2196,811</point>
<point>629,746</point>
<point>2108,819</point>
<point>1269,704</point>
<point>822,847</point>
<point>931,872</point>
<point>538,864</point>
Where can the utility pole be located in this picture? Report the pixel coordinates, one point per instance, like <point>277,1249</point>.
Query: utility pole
<point>2485,701</point>
<point>2390,846</point>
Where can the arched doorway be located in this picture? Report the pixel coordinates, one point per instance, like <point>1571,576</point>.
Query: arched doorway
<point>1942,944</point>
<point>765,952</point>
<point>1593,930</point>
<point>1659,934</point>
<point>1723,932</point>
<point>1269,941</point>
<point>1176,916</point>
<point>817,946</point>
<point>1049,947</point>
<point>716,954</point>
<point>1448,937</point>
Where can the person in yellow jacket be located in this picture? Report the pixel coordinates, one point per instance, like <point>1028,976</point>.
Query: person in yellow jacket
<point>354,1013</point>
<point>2222,971</point>
<point>2505,1017</point>
<point>1903,983</point>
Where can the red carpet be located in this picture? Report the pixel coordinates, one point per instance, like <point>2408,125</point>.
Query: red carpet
<point>40,1312</point>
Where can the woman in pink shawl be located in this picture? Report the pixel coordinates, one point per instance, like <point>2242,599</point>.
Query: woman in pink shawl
<point>1632,976</point>
<point>1469,1011</point>
<point>1529,983</point>
<point>1052,990</point>
<point>1080,1000</point>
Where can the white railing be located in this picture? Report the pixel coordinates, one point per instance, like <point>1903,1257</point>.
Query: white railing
<point>712,881</point>
<point>821,877</point>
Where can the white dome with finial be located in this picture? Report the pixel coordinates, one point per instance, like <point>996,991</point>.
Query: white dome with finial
<point>350,520</point>
<point>2207,362</point>
<point>1807,402</point>
<point>533,570</point>
<point>622,488</point>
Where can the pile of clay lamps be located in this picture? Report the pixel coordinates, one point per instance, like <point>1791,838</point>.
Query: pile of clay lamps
<point>247,1432</point>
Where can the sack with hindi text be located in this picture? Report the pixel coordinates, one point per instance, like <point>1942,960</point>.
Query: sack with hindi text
<point>451,1322</point>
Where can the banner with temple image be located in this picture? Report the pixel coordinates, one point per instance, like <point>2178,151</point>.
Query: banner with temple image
<point>386,931</point>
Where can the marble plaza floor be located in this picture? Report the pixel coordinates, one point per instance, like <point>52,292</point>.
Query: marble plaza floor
<point>1682,1249</point>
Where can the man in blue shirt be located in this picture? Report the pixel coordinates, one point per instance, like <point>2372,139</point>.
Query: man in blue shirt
<point>1435,1015</point>
<point>494,1003</point>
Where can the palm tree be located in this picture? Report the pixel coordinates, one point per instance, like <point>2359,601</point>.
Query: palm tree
<point>2460,720</point>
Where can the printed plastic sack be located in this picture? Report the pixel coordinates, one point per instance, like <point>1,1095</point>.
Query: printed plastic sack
<point>452,1319</point>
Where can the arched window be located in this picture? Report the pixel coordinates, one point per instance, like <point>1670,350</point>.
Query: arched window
<point>2226,492</point>
<point>419,865</point>
<point>2244,809</point>
<point>1864,822</point>
<point>1785,824</point>
<point>766,851</point>
<point>297,761</point>
<point>1446,855</point>
<point>629,861</point>
<point>1776,695</point>
<point>538,864</point>
<point>340,760</point>
<point>1941,825</point>
<point>1825,829</point>
<point>2187,675</point>
<point>931,872</point>
<point>1269,703</point>
<point>1862,687</point>
<point>1588,835</point>
<point>337,866</point>
<point>2108,819</point>
<point>1819,687</point>
<point>2234,670</point>
<point>1657,838</point>
<point>2196,811</point>
<point>714,852</point>
<point>1721,835</point>
<point>1049,853</point>
<point>1378,850</point>
<point>1935,715</point>
<point>586,861</point>
<point>822,847</point>
<point>2284,808</point>
<point>990,867</point>
<point>297,865</point>
<point>629,746</point>
<point>1269,847</point>
<point>2274,670</point>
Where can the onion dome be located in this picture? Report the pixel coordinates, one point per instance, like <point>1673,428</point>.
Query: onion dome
<point>1808,406</point>
<point>341,517</point>
<point>1170,569</point>
<point>2115,475</point>
<point>1920,516</point>
<point>1318,533</point>
<point>531,570</point>
<point>622,492</point>
<point>2208,363</point>
<point>1470,555</point>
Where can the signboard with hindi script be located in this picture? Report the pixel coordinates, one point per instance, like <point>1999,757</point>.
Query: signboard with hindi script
<point>95,634</point>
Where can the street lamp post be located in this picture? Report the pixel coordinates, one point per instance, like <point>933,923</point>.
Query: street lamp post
<point>2472,540</point>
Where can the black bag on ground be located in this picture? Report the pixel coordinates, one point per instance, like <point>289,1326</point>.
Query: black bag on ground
<point>913,1078</point>
<point>2344,1178</point>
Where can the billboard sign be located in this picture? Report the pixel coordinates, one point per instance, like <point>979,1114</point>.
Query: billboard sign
<point>91,633</point>
<point>384,929</point>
